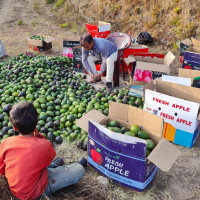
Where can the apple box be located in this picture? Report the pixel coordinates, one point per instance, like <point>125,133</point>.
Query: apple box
<point>121,157</point>
<point>186,73</point>
<point>192,55</point>
<point>178,105</point>
<point>149,66</point>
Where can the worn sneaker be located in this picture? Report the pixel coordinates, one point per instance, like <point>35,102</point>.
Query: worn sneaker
<point>83,162</point>
<point>109,86</point>
<point>58,161</point>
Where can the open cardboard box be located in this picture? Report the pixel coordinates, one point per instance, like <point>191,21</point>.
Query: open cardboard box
<point>178,105</point>
<point>99,26</point>
<point>122,157</point>
<point>154,66</point>
<point>40,45</point>
<point>186,73</point>
<point>192,55</point>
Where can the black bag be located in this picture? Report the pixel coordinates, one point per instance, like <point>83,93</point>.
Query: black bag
<point>144,38</point>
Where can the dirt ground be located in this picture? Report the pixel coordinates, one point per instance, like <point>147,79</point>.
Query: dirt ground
<point>22,18</point>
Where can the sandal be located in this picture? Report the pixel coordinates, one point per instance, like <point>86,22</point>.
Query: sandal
<point>97,79</point>
<point>92,81</point>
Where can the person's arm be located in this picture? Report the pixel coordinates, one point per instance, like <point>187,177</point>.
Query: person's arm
<point>2,163</point>
<point>51,153</point>
<point>2,166</point>
<point>39,135</point>
<point>84,60</point>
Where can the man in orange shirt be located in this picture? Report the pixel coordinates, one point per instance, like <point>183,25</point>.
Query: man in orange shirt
<point>24,159</point>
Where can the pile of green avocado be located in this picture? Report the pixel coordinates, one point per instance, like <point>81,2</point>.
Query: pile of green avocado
<point>59,94</point>
<point>134,131</point>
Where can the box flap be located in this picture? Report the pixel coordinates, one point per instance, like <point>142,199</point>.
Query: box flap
<point>103,26</point>
<point>95,115</point>
<point>149,59</point>
<point>187,42</point>
<point>118,111</point>
<point>153,67</point>
<point>34,42</point>
<point>48,39</point>
<point>129,60</point>
<point>192,49</point>
<point>164,155</point>
<point>187,73</point>
<point>179,91</point>
<point>195,42</point>
<point>151,123</point>
<point>169,58</point>
<point>149,86</point>
<point>177,80</point>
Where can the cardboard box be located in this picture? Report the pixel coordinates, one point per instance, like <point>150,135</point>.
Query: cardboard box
<point>191,74</point>
<point>122,157</point>
<point>187,64</point>
<point>150,66</point>
<point>186,73</point>
<point>99,29</point>
<point>77,59</point>
<point>178,105</point>
<point>68,45</point>
<point>192,54</point>
<point>40,45</point>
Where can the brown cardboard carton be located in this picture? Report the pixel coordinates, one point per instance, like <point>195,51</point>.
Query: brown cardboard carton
<point>122,157</point>
<point>179,107</point>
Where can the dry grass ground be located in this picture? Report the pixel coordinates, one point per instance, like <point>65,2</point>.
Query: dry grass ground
<point>22,18</point>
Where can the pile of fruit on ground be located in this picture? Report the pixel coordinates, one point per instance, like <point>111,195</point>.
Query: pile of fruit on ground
<point>59,95</point>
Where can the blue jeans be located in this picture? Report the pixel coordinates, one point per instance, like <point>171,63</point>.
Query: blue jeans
<point>63,176</point>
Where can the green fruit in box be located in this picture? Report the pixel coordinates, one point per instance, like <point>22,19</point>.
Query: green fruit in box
<point>116,129</point>
<point>147,152</point>
<point>113,124</point>
<point>150,144</point>
<point>129,133</point>
<point>143,135</point>
<point>134,129</point>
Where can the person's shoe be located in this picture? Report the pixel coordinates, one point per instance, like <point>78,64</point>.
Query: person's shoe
<point>109,87</point>
<point>58,161</point>
<point>98,79</point>
<point>83,162</point>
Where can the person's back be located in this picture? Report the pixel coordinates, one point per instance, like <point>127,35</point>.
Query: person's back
<point>26,160</point>
<point>105,45</point>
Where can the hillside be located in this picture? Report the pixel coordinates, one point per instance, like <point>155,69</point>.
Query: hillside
<point>167,21</point>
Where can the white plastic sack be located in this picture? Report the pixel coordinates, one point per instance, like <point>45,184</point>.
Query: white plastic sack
<point>2,50</point>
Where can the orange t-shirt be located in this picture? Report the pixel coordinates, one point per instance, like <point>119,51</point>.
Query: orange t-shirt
<point>24,161</point>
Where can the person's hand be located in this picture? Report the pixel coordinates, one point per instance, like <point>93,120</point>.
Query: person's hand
<point>92,77</point>
<point>35,132</point>
<point>98,77</point>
